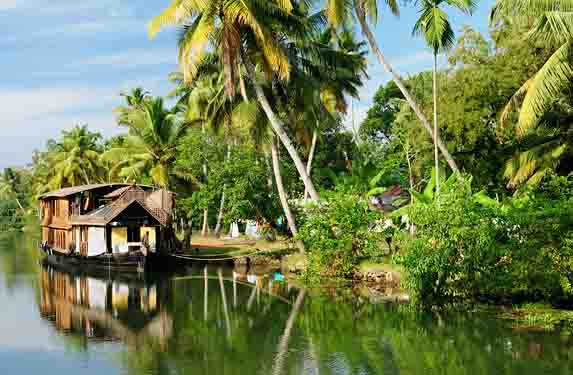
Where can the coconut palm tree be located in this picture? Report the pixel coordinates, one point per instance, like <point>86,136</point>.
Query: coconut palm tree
<point>75,159</point>
<point>551,24</point>
<point>151,142</point>
<point>434,26</point>
<point>240,32</point>
<point>7,188</point>
<point>339,12</point>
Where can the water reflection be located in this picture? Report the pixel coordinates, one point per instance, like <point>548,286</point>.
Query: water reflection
<point>229,321</point>
<point>233,321</point>
<point>132,311</point>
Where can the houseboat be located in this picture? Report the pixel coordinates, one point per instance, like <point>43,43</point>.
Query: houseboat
<point>121,226</point>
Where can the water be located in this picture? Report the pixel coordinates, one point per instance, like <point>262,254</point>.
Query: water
<point>231,322</point>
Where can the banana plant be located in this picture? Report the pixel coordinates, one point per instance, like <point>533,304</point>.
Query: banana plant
<point>428,195</point>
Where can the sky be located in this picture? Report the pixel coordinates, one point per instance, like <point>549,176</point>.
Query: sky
<point>65,62</point>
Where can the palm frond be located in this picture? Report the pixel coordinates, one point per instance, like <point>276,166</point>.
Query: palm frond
<point>548,83</point>
<point>514,102</point>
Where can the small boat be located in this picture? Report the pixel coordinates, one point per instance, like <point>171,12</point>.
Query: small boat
<point>124,227</point>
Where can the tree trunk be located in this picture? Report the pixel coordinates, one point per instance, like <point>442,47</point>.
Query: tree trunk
<point>278,127</point>
<point>282,194</point>
<point>436,134</point>
<point>270,170</point>
<point>398,80</point>
<point>187,234</point>
<point>410,175</point>
<point>219,225</point>
<point>206,210</point>
<point>311,157</point>
<point>243,89</point>
<point>205,227</point>
<point>222,206</point>
<point>20,205</point>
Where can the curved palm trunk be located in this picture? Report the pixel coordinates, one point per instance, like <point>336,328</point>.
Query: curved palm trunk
<point>278,127</point>
<point>311,157</point>
<point>398,80</point>
<point>436,135</point>
<point>282,194</point>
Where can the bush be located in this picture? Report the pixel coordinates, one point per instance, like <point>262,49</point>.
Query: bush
<point>463,250</point>
<point>459,248</point>
<point>337,232</point>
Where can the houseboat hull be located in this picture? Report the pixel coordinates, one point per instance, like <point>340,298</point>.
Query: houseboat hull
<point>118,263</point>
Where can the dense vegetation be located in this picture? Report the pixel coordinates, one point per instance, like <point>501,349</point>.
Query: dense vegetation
<point>257,132</point>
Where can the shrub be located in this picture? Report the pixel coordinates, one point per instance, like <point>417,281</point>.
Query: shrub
<point>463,250</point>
<point>337,232</point>
<point>457,248</point>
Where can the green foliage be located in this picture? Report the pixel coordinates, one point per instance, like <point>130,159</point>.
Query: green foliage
<point>242,170</point>
<point>457,248</point>
<point>465,249</point>
<point>337,233</point>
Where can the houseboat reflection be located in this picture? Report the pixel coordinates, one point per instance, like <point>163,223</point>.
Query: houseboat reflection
<point>99,309</point>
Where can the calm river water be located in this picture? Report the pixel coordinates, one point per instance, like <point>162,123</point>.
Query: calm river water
<point>236,322</point>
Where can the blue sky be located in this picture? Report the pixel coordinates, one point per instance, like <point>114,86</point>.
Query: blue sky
<point>65,62</point>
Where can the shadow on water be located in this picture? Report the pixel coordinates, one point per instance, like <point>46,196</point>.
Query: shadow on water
<point>224,320</point>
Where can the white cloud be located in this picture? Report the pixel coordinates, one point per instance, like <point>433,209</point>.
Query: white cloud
<point>9,4</point>
<point>20,138</point>
<point>21,104</point>
<point>123,26</point>
<point>114,8</point>
<point>135,58</point>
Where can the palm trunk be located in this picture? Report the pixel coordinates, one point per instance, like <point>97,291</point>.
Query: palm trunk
<point>243,88</point>
<point>282,194</point>
<point>270,170</point>
<point>410,175</point>
<point>220,215</point>
<point>19,204</point>
<point>222,206</point>
<point>187,234</point>
<point>436,135</point>
<point>398,80</point>
<point>278,127</point>
<point>206,210</point>
<point>311,157</point>
<point>205,227</point>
